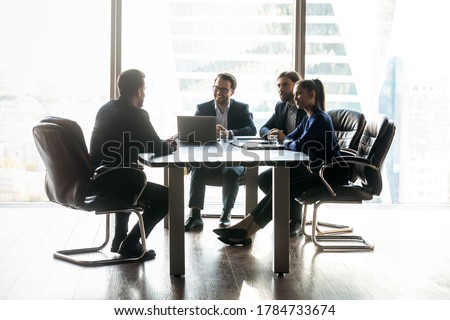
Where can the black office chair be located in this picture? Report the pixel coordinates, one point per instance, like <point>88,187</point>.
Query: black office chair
<point>366,167</point>
<point>348,126</point>
<point>69,181</point>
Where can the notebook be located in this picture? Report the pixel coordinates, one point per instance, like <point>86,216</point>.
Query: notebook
<point>262,146</point>
<point>256,144</point>
<point>196,130</point>
<point>240,143</point>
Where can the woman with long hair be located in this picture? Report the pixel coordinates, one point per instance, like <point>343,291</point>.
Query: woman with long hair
<point>315,137</point>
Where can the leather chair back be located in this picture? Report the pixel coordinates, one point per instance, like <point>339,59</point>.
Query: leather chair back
<point>61,145</point>
<point>374,145</point>
<point>348,126</point>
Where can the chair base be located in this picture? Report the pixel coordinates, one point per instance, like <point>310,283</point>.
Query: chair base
<point>337,228</point>
<point>317,235</point>
<point>67,255</point>
<point>342,238</point>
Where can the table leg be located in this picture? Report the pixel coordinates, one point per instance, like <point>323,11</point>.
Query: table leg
<point>280,192</point>
<point>251,189</point>
<point>176,221</point>
<point>166,183</point>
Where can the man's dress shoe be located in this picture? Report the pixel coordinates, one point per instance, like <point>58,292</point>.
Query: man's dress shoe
<point>295,228</point>
<point>193,222</point>
<point>136,251</point>
<point>225,219</point>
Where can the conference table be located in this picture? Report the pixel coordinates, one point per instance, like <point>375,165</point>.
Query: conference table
<point>225,153</point>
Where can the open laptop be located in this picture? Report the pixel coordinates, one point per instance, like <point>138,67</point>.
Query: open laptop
<point>196,130</point>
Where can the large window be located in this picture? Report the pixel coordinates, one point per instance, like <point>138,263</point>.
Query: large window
<point>386,56</point>
<point>54,60</point>
<point>182,45</point>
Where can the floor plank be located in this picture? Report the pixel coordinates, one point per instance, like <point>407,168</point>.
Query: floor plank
<point>410,261</point>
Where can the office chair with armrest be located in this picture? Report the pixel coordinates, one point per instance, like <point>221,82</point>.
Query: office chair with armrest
<point>366,167</point>
<point>70,180</point>
<point>348,126</point>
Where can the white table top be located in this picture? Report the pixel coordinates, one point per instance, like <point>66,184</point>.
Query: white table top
<point>224,153</point>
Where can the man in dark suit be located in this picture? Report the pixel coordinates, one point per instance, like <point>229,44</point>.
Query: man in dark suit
<point>236,119</point>
<point>286,116</point>
<point>283,121</point>
<point>122,130</point>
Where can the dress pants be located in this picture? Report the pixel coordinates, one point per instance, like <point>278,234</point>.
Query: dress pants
<point>265,184</point>
<point>300,181</point>
<point>154,200</point>
<point>200,177</point>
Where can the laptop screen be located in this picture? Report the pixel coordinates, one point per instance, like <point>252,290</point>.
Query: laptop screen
<point>196,129</point>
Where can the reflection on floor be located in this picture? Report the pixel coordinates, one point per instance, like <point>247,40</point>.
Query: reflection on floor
<point>410,261</point>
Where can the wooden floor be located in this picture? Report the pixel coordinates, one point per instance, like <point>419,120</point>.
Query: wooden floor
<point>411,260</point>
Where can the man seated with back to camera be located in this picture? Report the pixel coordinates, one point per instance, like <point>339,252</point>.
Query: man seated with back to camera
<point>122,130</point>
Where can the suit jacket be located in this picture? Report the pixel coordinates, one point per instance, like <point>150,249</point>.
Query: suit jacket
<point>240,120</point>
<point>121,132</point>
<point>278,119</point>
